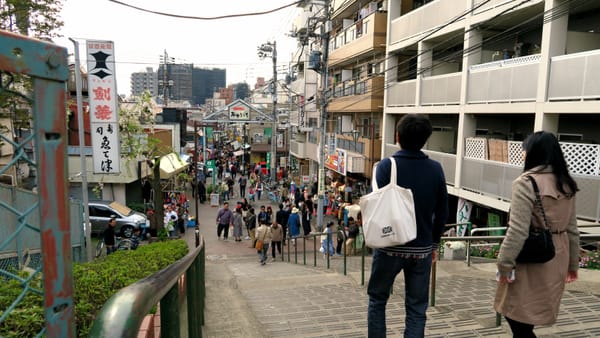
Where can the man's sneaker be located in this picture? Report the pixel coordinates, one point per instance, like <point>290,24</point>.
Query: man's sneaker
<point>247,238</point>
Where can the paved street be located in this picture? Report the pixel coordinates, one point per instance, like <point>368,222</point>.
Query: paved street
<point>285,299</point>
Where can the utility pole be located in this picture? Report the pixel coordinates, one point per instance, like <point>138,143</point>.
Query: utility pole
<point>270,48</point>
<point>195,171</point>
<point>326,30</point>
<point>166,83</point>
<point>274,131</point>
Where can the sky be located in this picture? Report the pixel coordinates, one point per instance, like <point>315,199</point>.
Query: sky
<point>140,38</point>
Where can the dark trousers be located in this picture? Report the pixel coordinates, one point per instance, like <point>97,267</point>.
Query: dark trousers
<point>224,228</point>
<point>340,244</point>
<point>520,330</point>
<point>242,191</point>
<point>273,245</point>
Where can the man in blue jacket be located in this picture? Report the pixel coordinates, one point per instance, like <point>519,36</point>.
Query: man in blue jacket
<point>425,177</point>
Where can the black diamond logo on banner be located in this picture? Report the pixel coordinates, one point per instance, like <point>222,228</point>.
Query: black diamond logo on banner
<point>100,58</point>
<point>101,74</point>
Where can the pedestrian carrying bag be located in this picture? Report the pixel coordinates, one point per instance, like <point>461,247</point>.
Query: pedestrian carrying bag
<point>538,247</point>
<point>388,213</point>
<point>259,245</point>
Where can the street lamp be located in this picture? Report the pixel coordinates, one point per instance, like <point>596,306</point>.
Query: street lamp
<point>355,134</point>
<point>265,50</point>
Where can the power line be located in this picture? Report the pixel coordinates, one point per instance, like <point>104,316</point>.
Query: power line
<point>220,17</point>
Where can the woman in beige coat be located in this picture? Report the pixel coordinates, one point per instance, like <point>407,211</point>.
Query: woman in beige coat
<point>532,296</point>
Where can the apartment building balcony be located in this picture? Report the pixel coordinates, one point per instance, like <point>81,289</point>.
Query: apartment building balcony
<point>574,77</point>
<point>493,176</point>
<point>358,96</point>
<point>303,149</point>
<point>362,37</point>
<point>401,94</point>
<point>408,27</point>
<point>510,80</point>
<point>435,90</point>
<point>265,147</point>
<point>489,168</point>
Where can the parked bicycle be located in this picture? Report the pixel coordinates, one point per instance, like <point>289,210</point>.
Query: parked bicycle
<point>121,243</point>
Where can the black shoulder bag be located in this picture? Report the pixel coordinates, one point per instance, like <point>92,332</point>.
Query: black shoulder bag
<point>538,247</point>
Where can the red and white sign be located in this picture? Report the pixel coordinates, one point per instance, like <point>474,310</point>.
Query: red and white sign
<point>239,112</point>
<point>104,117</point>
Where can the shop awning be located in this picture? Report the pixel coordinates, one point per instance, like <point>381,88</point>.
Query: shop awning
<point>171,165</point>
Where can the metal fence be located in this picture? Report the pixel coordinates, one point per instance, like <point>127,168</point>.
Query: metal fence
<point>33,74</point>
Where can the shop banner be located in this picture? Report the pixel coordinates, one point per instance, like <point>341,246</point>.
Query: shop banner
<point>337,161</point>
<point>463,213</point>
<point>103,103</point>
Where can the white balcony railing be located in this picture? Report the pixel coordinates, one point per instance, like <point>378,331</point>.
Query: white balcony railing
<point>575,76</point>
<point>402,93</point>
<point>582,158</point>
<point>508,80</point>
<point>441,89</point>
<point>424,19</point>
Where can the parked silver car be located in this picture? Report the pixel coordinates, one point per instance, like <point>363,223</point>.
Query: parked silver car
<point>127,219</point>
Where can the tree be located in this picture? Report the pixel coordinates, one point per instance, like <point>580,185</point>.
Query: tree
<point>132,116</point>
<point>37,18</point>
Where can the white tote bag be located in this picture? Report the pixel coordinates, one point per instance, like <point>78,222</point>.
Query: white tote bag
<point>388,213</point>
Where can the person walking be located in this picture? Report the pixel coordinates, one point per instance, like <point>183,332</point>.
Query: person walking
<point>201,192</point>
<point>306,216</point>
<point>425,178</point>
<point>238,224</point>
<point>251,225</point>
<point>276,238</point>
<point>242,182</point>
<point>109,235</point>
<point>529,294</point>
<point>281,217</point>
<point>259,189</point>
<point>294,225</point>
<point>327,241</point>
<point>263,216</point>
<point>263,233</point>
<point>224,220</point>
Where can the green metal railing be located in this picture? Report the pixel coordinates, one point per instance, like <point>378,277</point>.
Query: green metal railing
<point>315,251</point>
<point>180,283</point>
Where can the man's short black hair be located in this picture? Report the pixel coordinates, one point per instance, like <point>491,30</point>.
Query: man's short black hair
<point>412,131</point>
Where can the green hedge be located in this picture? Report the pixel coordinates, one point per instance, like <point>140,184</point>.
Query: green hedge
<point>95,283</point>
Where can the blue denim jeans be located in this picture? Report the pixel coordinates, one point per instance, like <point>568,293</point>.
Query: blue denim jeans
<point>262,254</point>
<point>416,292</point>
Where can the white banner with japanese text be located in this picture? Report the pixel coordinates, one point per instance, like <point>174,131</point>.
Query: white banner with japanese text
<point>103,103</point>
<point>105,140</point>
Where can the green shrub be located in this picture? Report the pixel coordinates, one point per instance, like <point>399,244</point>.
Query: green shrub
<point>95,283</point>
<point>139,207</point>
<point>27,319</point>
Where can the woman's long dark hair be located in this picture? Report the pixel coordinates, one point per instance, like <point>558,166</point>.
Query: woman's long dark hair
<point>542,149</point>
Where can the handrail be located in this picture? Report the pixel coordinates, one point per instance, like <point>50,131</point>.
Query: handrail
<point>123,313</point>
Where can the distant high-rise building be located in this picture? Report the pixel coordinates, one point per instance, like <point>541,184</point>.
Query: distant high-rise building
<point>176,81</point>
<point>142,81</point>
<point>205,82</point>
